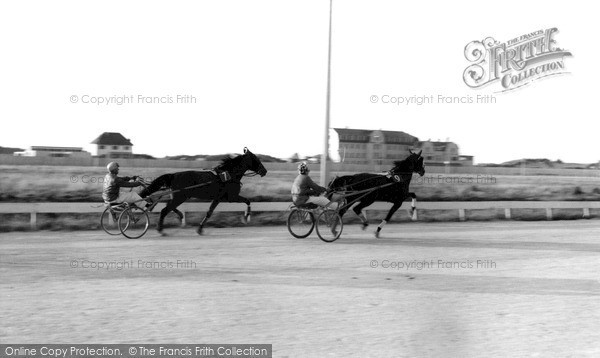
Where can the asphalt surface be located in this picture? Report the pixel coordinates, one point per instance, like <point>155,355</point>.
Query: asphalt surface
<point>421,290</point>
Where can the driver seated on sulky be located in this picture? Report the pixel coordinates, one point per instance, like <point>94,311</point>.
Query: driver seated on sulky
<point>111,192</point>
<point>306,191</point>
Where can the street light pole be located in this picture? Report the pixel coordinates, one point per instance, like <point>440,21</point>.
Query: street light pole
<point>325,155</point>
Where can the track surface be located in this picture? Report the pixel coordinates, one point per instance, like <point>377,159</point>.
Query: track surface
<point>312,299</point>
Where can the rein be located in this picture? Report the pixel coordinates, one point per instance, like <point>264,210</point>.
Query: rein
<point>365,180</point>
<point>355,192</point>
<point>366,192</point>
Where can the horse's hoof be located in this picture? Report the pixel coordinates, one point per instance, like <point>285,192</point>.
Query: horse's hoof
<point>377,234</point>
<point>199,231</point>
<point>161,232</point>
<point>364,226</point>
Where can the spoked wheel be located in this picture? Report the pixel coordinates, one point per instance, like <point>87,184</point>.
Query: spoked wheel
<point>329,225</point>
<point>110,221</point>
<point>300,223</point>
<point>134,222</point>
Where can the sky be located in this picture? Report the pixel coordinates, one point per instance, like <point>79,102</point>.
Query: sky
<point>258,73</point>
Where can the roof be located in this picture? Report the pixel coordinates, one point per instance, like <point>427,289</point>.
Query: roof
<point>363,135</point>
<point>360,135</point>
<point>65,149</point>
<point>388,135</point>
<point>112,138</point>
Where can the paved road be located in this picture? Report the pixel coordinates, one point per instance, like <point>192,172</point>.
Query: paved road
<point>417,291</point>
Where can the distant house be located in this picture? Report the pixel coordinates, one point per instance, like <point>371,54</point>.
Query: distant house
<point>113,145</point>
<point>56,152</point>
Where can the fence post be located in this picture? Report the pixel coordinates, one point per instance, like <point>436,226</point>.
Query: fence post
<point>548,213</point>
<point>33,220</point>
<point>183,219</point>
<point>507,213</point>
<point>586,213</point>
<point>461,214</point>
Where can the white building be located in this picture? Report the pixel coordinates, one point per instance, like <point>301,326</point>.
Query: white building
<point>55,152</point>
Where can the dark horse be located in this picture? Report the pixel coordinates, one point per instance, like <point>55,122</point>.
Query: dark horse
<point>221,184</point>
<point>394,187</point>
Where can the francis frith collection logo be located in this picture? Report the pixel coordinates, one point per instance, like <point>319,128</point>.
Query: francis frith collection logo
<point>514,63</point>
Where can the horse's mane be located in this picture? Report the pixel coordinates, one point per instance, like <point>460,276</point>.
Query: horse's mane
<point>403,164</point>
<point>228,162</point>
<point>399,164</point>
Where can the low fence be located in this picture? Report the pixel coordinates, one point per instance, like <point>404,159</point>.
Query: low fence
<point>460,206</point>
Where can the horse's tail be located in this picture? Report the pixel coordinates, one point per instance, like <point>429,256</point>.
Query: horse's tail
<point>331,182</point>
<point>330,188</point>
<point>163,181</point>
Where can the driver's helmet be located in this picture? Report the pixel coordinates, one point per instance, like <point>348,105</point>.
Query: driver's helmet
<point>112,167</point>
<point>303,168</point>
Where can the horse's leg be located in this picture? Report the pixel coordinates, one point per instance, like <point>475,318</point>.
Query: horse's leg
<point>413,206</point>
<point>212,207</point>
<point>161,219</point>
<point>247,214</point>
<point>180,215</point>
<point>171,206</point>
<point>388,217</point>
<point>362,216</point>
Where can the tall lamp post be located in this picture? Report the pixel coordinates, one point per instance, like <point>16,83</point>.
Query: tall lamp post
<point>324,163</point>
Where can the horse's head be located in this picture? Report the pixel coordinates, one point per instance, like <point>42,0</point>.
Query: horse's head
<point>412,164</point>
<point>417,160</point>
<point>254,164</point>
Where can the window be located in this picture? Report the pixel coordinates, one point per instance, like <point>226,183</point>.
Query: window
<point>126,147</point>
<point>115,147</point>
<point>100,147</point>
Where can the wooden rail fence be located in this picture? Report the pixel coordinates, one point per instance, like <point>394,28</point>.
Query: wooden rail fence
<point>461,206</point>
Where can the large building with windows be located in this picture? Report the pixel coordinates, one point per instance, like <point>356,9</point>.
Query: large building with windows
<point>362,146</point>
<point>113,145</point>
